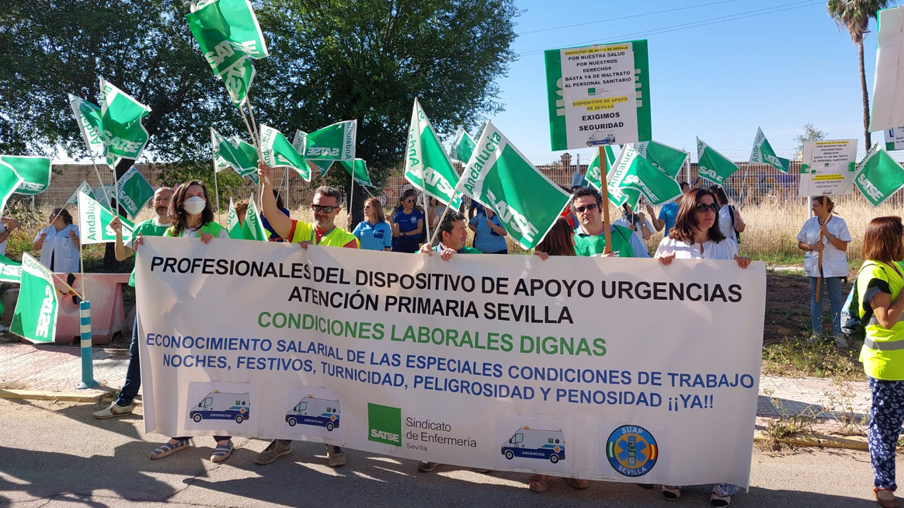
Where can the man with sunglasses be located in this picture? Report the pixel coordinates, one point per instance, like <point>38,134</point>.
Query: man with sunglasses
<point>590,238</point>
<point>323,231</point>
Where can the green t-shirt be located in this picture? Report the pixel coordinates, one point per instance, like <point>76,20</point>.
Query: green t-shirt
<point>592,245</point>
<point>149,227</point>
<point>464,250</point>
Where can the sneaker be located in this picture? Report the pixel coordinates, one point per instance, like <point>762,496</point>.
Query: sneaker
<point>273,451</point>
<point>841,341</point>
<point>814,339</point>
<point>426,467</point>
<point>537,482</point>
<point>335,457</point>
<point>717,500</point>
<point>113,411</point>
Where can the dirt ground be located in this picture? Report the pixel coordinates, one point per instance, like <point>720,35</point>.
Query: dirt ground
<point>788,305</point>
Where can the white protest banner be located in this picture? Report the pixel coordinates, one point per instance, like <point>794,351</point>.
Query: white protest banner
<point>501,362</point>
<point>894,138</point>
<point>598,95</point>
<point>888,85</point>
<point>827,167</point>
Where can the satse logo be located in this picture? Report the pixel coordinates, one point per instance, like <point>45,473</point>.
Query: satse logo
<point>44,319</point>
<point>384,424</point>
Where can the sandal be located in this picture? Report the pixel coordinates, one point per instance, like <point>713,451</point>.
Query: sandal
<point>670,493</point>
<point>717,500</point>
<point>886,498</point>
<point>167,449</point>
<point>577,483</point>
<point>537,482</point>
<point>222,451</point>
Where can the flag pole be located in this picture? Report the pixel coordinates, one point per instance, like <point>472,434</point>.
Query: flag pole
<point>216,186</point>
<point>441,218</point>
<point>101,180</point>
<point>351,199</point>
<point>426,211</point>
<point>604,170</point>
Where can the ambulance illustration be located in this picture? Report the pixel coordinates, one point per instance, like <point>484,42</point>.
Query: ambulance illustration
<point>535,444</point>
<point>316,412</point>
<point>218,405</point>
<point>595,139</point>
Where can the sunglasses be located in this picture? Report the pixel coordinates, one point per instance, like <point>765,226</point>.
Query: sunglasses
<point>324,209</point>
<point>410,201</point>
<point>589,208</point>
<point>703,207</point>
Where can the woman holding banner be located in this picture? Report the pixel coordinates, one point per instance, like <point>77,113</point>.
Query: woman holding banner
<point>59,243</point>
<point>192,217</point>
<point>825,239</point>
<point>696,235</point>
<point>879,285</point>
<point>407,224</point>
<point>373,232</point>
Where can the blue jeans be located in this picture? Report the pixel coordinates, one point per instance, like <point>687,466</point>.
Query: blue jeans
<point>833,286</point>
<point>133,372</point>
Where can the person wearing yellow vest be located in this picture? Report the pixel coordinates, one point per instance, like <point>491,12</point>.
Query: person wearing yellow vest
<point>323,231</point>
<point>879,286</point>
<point>192,217</point>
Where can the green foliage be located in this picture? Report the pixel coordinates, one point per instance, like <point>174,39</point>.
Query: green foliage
<point>797,358</point>
<point>229,182</point>
<point>810,134</point>
<point>854,15</point>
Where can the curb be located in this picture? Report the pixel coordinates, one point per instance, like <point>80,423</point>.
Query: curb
<point>40,395</point>
<point>819,440</point>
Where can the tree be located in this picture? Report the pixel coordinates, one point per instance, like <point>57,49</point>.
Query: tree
<point>855,15</point>
<point>369,59</point>
<point>810,134</point>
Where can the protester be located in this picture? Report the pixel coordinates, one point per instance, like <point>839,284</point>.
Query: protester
<point>59,243</point>
<point>636,222</point>
<point>558,242</point>
<point>7,226</point>
<point>668,212</point>
<point>435,212</point>
<point>323,231</point>
<point>157,226</point>
<point>879,285</point>
<point>731,224</point>
<point>489,233</point>
<point>826,233</point>
<point>407,224</point>
<point>241,209</point>
<point>279,204</point>
<point>191,217</point>
<point>373,232</point>
<point>590,239</point>
<point>696,235</point>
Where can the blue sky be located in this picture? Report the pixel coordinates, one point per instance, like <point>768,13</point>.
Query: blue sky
<point>721,81</point>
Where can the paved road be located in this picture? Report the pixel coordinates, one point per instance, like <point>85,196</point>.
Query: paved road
<point>54,454</point>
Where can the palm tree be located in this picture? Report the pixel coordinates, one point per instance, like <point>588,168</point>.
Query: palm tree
<point>855,15</point>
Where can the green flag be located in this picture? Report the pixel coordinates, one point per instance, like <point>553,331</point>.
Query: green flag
<point>278,152</point>
<point>35,172</point>
<point>323,167</point>
<point>134,191</point>
<point>123,134</point>
<point>9,182</point>
<point>10,271</point>
<point>94,222</point>
<point>879,176</point>
<point>87,116</point>
<point>232,223</point>
<point>230,37</point>
<point>233,153</point>
<point>764,154</point>
<point>594,173</point>
<point>36,310</point>
<point>358,171</point>
<point>713,165</point>
<point>633,175</point>
<point>83,187</point>
<point>427,165</point>
<point>253,228</point>
<point>665,158</point>
<point>332,143</point>
<point>463,145</point>
<point>500,177</point>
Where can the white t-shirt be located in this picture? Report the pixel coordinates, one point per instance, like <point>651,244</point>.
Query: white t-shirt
<point>624,223</point>
<point>711,250</point>
<point>726,226</point>
<point>58,246</point>
<point>834,261</point>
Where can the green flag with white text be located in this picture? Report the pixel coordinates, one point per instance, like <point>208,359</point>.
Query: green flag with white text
<point>87,116</point>
<point>500,177</point>
<point>633,175</point>
<point>764,154</point>
<point>879,176</point>
<point>230,37</point>
<point>35,317</point>
<point>594,172</point>
<point>134,192</point>
<point>427,165</point>
<point>463,145</point>
<point>278,152</point>
<point>123,134</point>
<point>9,182</point>
<point>232,223</point>
<point>94,222</point>
<point>10,271</point>
<point>358,171</point>
<point>35,172</point>
<point>332,143</point>
<point>712,165</point>
<point>665,158</point>
<point>83,187</point>
<point>253,228</point>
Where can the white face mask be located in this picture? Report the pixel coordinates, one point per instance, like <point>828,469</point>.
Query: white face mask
<point>194,205</point>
